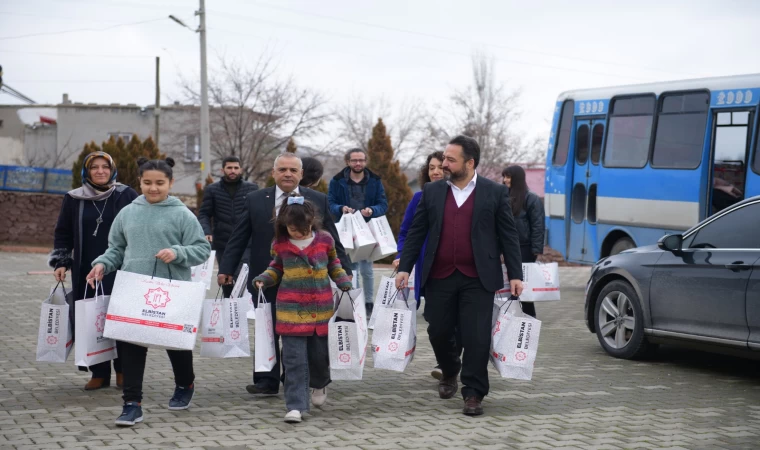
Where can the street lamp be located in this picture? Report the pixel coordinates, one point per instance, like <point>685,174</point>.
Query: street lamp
<point>205,129</point>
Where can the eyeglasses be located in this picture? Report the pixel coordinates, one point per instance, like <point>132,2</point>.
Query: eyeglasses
<point>355,161</point>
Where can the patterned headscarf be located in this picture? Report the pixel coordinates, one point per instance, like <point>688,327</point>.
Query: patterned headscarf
<point>87,164</point>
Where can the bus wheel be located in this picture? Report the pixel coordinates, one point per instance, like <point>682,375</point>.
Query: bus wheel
<point>621,245</point>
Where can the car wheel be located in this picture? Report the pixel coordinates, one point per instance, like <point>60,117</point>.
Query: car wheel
<point>621,245</point>
<point>620,322</point>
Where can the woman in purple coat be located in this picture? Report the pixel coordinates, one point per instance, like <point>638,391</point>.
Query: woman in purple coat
<point>431,171</point>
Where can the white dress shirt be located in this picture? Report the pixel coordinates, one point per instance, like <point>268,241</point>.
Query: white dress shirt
<point>461,195</point>
<point>279,197</point>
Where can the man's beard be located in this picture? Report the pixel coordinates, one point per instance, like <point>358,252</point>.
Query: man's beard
<point>454,176</point>
<point>357,170</point>
<point>230,178</point>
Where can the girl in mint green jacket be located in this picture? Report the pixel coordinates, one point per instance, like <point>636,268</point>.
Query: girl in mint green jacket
<point>154,226</point>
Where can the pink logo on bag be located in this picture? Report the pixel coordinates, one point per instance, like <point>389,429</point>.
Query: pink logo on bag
<point>52,340</point>
<point>100,322</point>
<point>520,356</point>
<point>547,275</point>
<point>497,328</point>
<point>344,358</point>
<point>157,298</point>
<point>393,346</point>
<point>215,316</point>
<point>235,335</point>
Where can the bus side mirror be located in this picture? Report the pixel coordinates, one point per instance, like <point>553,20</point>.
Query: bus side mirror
<point>671,243</point>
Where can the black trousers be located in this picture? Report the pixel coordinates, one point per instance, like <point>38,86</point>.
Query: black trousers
<point>528,308</point>
<point>133,360</point>
<point>272,378</point>
<point>227,288</point>
<point>459,301</point>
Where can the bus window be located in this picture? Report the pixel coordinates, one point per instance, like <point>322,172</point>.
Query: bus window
<point>581,145</point>
<point>681,125</point>
<point>629,132</point>
<point>730,158</point>
<point>596,143</point>
<point>563,137</point>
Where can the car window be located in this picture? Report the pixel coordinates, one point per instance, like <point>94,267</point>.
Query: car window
<point>737,229</point>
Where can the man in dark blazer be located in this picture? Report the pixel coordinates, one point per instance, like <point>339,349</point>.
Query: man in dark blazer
<point>257,227</point>
<point>469,224</point>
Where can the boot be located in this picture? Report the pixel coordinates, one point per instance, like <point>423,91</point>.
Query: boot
<point>120,380</point>
<point>97,383</point>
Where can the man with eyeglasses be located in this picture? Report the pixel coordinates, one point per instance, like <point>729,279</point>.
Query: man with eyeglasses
<point>357,188</point>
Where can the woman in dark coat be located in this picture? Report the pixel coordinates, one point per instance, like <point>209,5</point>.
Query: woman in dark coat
<point>81,235</point>
<point>528,210</point>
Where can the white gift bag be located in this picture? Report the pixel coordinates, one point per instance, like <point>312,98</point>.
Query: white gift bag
<point>54,341</point>
<point>386,243</point>
<point>251,312</point>
<point>347,336</point>
<point>225,331</point>
<point>264,355</point>
<point>154,312</point>
<point>346,232</point>
<point>540,282</point>
<point>503,304</point>
<point>364,241</point>
<point>89,322</point>
<point>410,284</point>
<point>203,273</point>
<point>394,340</point>
<point>386,292</point>
<point>240,283</point>
<point>513,354</point>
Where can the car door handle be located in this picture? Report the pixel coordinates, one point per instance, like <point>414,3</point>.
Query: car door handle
<point>738,265</point>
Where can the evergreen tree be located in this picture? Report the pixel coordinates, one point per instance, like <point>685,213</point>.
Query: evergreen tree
<point>380,156</point>
<point>124,155</point>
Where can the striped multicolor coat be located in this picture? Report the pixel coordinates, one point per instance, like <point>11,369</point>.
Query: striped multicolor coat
<point>304,299</point>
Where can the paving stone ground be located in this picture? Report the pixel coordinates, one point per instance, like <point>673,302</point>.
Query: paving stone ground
<point>579,397</point>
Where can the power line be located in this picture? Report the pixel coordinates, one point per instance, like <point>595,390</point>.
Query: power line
<point>14,93</point>
<point>6,13</point>
<point>82,81</point>
<point>4,38</point>
<point>437,36</point>
<point>75,55</point>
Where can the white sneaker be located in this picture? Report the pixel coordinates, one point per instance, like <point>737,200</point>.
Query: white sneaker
<point>437,373</point>
<point>318,396</point>
<point>293,416</point>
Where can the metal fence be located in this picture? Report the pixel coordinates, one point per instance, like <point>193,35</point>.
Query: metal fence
<point>35,179</point>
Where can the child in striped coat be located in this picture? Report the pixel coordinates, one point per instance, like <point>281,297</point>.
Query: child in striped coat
<point>304,261</point>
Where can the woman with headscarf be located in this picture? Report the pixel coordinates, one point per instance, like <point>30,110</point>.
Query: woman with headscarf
<point>528,210</point>
<point>81,235</point>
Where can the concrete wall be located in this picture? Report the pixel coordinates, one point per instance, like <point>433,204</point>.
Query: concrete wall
<point>11,137</point>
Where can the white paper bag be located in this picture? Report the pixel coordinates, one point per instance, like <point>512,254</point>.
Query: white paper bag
<point>264,356</point>
<point>394,340</point>
<point>503,304</point>
<point>347,336</point>
<point>386,292</point>
<point>410,284</point>
<point>154,312</point>
<point>386,243</point>
<point>540,282</point>
<point>364,241</point>
<point>204,272</point>
<point>251,313</point>
<point>225,331</point>
<point>346,232</point>
<point>90,319</point>
<point>514,354</point>
<point>54,340</point>
<point>241,282</point>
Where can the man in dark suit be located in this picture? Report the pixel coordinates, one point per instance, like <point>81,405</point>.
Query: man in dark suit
<point>469,224</point>
<point>257,227</point>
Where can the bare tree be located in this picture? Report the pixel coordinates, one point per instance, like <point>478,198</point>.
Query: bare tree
<point>42,152</point>
<point>407,126</point>
<point>254,112</point>
<point>489,112</point>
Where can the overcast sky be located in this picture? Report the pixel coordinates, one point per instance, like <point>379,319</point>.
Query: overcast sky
<point>402,49</point>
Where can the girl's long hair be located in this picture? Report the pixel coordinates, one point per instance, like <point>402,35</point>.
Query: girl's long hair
<point>424,176</point>
<point>300,216</point>
<point>519,189</point>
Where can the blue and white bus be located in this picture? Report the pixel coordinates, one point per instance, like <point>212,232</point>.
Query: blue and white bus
<point>626,165</point>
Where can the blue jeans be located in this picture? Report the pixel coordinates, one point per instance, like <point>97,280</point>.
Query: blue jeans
<point>365,268</point>
<point>307,365</point>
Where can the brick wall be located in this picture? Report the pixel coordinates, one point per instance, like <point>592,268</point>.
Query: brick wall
<point>28,218</point>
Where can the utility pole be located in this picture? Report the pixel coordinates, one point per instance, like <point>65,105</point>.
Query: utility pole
<point>205,128</point>
<point>157,109</point>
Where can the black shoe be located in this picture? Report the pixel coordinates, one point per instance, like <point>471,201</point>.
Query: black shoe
<point>130,415</point>
<point>261,389</point>
<point>182,397</point>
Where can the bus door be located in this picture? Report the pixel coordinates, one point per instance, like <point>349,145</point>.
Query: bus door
<point>582,245</point>
<point>732,135</point>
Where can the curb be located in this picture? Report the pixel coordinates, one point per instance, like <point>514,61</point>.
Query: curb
<point>24,249</point>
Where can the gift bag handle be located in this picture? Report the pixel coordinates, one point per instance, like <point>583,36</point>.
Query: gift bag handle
<point>342,293</point>
<point>155,266</point>
<point>55,288</point>
<point>216,297</point>
<point>404,296</point>
<point>508,302</point>
<point>261,298</point>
